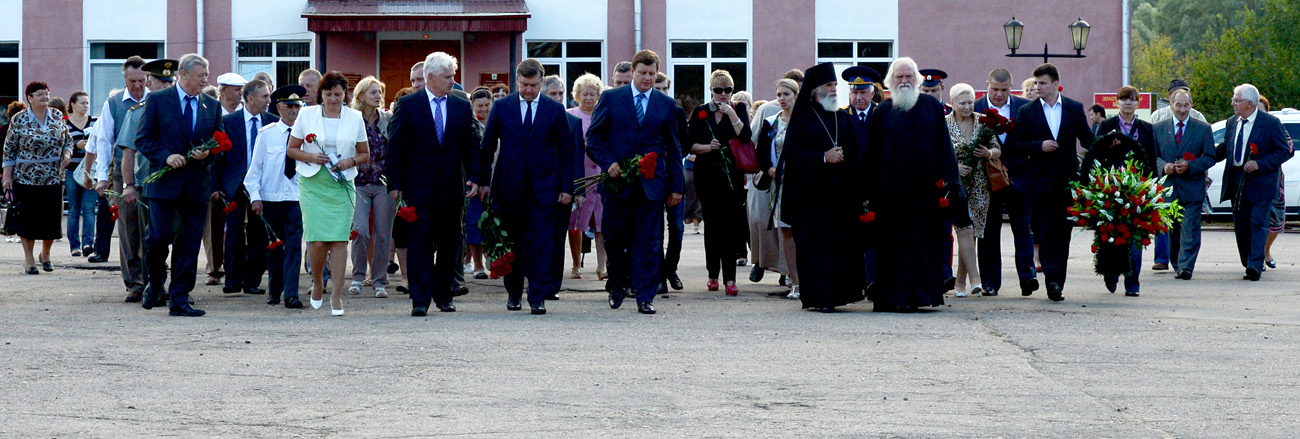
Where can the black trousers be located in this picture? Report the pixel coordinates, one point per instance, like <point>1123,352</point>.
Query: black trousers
<point>104,228</point>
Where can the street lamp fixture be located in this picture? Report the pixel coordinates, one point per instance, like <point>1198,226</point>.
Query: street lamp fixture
<point>1078,34</point>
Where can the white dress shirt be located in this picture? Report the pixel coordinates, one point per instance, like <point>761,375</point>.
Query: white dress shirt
<point>224,112</point>
<point>1053,114</point>
<point>523,108</point>
<point>1004,111</point>
<point>265,180</point>
<point>1239,159</point>
<point>102,139</point>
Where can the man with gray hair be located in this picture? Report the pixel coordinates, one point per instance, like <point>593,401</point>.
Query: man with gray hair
<point>310,79</point>
<point>553,87</point>
<point>1255,146</point>
<point>176,119</point>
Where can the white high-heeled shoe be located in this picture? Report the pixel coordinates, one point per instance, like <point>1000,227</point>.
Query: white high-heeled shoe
<point>316,304</point>
<point>336,312</point>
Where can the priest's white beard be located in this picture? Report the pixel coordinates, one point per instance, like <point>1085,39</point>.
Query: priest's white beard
<point>905,97</point>
<point>830,102</point>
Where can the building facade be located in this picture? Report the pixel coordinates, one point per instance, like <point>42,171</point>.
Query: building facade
<point>80,44</point>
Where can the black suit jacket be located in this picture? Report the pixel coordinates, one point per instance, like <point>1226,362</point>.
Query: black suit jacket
<point>615,134</point>
<point>542,157</point>
<point>162,133</point>
<point>228,169</point>
<point>1145,153</point>
<point>428,172</point>
<point>1272,149</point>
<point>1036,169</point>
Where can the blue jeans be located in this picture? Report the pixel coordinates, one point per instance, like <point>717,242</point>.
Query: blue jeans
<point>1162,248</point>
<point>81,212</point>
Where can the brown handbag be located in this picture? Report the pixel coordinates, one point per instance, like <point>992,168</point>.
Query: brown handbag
<point>999,178</point>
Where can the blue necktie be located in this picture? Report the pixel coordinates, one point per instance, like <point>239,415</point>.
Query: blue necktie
<point>253,126</point>
<point>528,118</point>
<point>188,114</point>
<point>640,108</point>
<point>1241,140</point>
<point>437,116</point>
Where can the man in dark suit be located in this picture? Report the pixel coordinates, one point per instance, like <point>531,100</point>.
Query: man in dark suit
<point>676,215</point>
<point>1011,200</point>
<point>432,138</point>
<point>534,180</point>
<point>1176,138</point>
<point>175,120</point>
<point>629,121</point>
<point>1044,139</point>
<point>1255,146</point>
<point>245,247</point>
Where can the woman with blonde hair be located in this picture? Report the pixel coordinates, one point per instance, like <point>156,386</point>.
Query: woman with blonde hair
<point>765,213</point>
<point>719,184</point>
<point>373,217</point>
<point>972,166</point>
<point>588,215</point>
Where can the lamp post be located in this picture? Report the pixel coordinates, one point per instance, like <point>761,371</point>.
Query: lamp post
<point>1078,34</point>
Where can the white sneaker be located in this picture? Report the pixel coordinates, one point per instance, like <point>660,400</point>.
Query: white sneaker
<point>961,293</point>
<point>355,289</point>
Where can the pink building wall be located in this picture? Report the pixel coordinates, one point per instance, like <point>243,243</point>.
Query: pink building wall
<point>348,52</point>
<point>621,43</point>
<point>54,58</point>
<point>654,29</point>
<point>967,41</point>
<point>217,45</point>
<point>488,53</point>
<point>784,38</point>
<point>182,37</point>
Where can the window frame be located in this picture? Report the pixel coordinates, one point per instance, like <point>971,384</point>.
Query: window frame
<point>564,59</point>
<point>18,86</point>
<point>97,102</point>
<point>707,62</point>
<point>275,58</point>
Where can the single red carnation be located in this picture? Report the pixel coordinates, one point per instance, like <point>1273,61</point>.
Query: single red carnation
<point>353,235</point>
<point>1254,149</point>
<point>703,114</point>
<point>113,208</point>
<point>1094,248</point>
<point>943,202</point>
<point>1189,156</point>
<point>939,184</point>
<point>311,138</point>
<point>1082,222</point>
<point>508,257</point>
<point>231,206</point>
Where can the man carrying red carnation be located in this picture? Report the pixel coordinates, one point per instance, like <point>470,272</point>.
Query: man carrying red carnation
<point>533,177</point>
<point>1255,146</point>
<point>1185,150</point>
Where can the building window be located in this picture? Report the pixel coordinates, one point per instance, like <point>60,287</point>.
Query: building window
<point>874,54</point>
<point>693,62</point>
<point>283,60</point>
<point>569,59</point>
<point>106,67</point>
<point>9,85</point>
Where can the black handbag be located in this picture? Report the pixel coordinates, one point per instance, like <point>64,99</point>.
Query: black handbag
<point>11,218</point>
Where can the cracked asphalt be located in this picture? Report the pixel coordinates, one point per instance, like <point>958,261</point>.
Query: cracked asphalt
<point>1213,357</point>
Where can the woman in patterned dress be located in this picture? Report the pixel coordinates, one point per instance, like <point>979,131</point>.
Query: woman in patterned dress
<point>972,165</point>
<point>36,149</point>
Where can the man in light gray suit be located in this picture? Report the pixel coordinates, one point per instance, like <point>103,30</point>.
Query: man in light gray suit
<point>1184,151</point>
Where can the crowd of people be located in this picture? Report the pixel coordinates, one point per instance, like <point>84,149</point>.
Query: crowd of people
<point>864,202</point>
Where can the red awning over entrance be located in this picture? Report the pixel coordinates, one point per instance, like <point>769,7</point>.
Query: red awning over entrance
<point>416,15</point>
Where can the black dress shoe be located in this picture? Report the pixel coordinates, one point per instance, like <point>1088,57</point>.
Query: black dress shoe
<point>645,308</point>
<point>254,290</point>
<point>463,290</point>
<point>392,267</point>
<point>274,300</point>
<point>675,282</point>
<point>663,289</point>
<point>512,304</point>
<point>1271,263</point>
<point>826,309</point>
<point>1184,275</point>
<point>47,266</point>
<point>447,307</point>
<point>615,300</point>
<point>949,284</point>
<point>1131,293</point>
<point>1111,283</point>
<point>293,303</point>
<point>538,309</point>
<point>186,311</point>
<point>96,259</point>
<point>1252,274</point>
<point>1054,292</point>
<point>627,292</point>
<point>419,311</point>
<point>553,296</point>
<point>33,270</point>
<point>231,290</point>
<point>1028,286</point>
<point>151,300</point>
<point>989,292</point>
<point>756,274</point>
<point>134,297</point>
<point>402,289</point>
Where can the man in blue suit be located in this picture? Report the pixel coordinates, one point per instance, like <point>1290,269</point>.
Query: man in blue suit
<point>1011,200</point>
<point>1255,147</point>
<point>174,121</point>
<point>534,180</point>
<point>431,139</point>
<point>246,241</point>
<point>1043,144</point>
<point>629,121</point>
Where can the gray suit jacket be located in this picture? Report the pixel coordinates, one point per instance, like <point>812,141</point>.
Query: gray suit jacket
<point>1198,140</point>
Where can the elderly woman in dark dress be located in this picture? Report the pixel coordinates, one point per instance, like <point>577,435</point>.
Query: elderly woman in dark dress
<point>37,147</point>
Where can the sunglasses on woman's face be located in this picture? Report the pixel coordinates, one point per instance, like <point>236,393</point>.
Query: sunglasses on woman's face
<point>722,90</point>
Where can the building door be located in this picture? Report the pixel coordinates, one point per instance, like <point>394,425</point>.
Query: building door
<point>397,57</point>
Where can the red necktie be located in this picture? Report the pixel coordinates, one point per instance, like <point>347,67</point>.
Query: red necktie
<point>1178,136</point>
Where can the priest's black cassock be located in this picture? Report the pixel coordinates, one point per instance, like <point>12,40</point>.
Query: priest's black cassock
<point>908,154</point>
<point>822,201</point>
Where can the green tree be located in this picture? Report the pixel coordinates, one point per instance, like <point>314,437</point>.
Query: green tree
<point>1187,23</point>
<point>1155,63</point>
<point>1261,49</point>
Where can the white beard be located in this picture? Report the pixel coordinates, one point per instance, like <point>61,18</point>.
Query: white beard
<point>905,98</point>
<point>829,102</point>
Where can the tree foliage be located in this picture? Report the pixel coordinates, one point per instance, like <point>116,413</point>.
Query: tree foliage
<point>1155,63</point>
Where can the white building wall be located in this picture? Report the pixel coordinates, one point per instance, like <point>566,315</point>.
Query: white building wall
<point>124,20</point>
<point>859,20</point>
<point>11,21</point>
<point>567,20</point>
<point>279,20</point>
<point>710,20</point>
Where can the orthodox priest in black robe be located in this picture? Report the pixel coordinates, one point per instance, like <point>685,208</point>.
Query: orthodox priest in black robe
<point>912,179</point>
<point>823,195</point>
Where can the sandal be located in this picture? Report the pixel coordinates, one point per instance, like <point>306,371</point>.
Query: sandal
<point>577,273</point>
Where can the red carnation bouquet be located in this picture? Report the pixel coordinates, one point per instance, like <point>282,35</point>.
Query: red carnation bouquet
<point>405,210</point>
<point>218,144</point>
<point>992,125</point>
<point>1123,207</point>
<point>274,241</point>
<point>496,242</point>
<point>639,166</point>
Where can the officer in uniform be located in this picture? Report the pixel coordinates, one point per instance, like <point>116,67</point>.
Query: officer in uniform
<point>932,84</point>
<point>862,91</point>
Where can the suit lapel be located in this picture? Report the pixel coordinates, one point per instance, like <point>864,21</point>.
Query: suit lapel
<point>242,133</point>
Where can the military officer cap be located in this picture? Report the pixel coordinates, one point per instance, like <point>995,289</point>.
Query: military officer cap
<point>291,94</point>
<point>932,77</point>
<point>860,77</point>
<point>162,69</point>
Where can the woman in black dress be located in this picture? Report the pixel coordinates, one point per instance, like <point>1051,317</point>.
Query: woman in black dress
<point>36,149</point>
<point>719,184</point>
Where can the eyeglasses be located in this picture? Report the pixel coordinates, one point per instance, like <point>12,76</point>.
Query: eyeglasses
<point>41,94</point>
<point>722,90</point>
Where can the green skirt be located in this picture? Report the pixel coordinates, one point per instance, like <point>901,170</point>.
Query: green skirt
<point>327,207</point>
